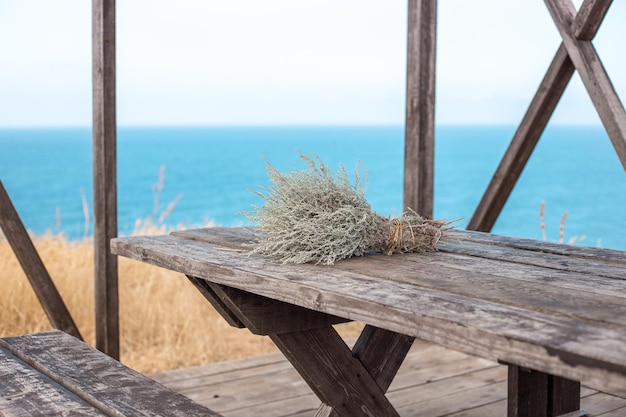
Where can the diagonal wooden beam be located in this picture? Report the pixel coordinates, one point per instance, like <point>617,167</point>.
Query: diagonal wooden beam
<point>589,18</point>
<point>524,141</point>
<point>586,24</point>
<point>593,74</point>
<point>34,268</point>
<point>381,352</point>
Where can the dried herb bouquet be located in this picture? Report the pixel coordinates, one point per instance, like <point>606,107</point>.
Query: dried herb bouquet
<point>317,215</point>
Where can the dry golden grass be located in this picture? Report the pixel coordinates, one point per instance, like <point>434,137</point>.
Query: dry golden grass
<point>165,323</point>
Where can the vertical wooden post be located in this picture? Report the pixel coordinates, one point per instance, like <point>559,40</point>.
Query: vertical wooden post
<point>104,177</point>
<point>419,136</point>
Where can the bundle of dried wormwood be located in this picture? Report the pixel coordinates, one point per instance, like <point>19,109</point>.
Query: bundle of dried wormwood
<point>318,216</point>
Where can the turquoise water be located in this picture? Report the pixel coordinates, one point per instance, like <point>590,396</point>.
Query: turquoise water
<point>214,168</point>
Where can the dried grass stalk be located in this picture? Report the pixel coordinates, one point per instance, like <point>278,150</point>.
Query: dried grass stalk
<point>318,216</point>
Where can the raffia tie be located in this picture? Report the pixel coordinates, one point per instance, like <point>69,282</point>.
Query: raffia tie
<point>396,236</point>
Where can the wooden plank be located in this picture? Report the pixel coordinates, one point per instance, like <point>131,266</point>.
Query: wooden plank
<point>472,253</point>
<point>527,393</point>
<point>563,396</point>
<point>473,397</point>
<point>419,136</point>
<point>104,177</point>
<point>572,348</point>
<point>217,370</point>
<point>98,379</point>
<point>33,267</point>
<point>589,18</point>
<point>228,237</point>
<point>31,394</point>
<point>536,394</point>
<point>237,386</point>
<point>593,75</point>
<point>339,379</point>
<point>264,316</point>
<point>539,246</point>
<point>620,412</point>
<point>505,283</point>
<point>572,261</point>
<point>205,289</point>
<point>381,352</point>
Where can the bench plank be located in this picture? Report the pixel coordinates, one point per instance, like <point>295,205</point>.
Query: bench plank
<point>29,394</point>
<point>98,379</point>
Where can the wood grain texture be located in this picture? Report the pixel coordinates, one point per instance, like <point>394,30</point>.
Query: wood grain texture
<point>90,377</point>
<point>419,140</point>
<point>536,394</point>
<point>25,392</point>
<point>220,306</point>
<point>105,177</point>
<point>589,18</point>
<point>382,353</point>
<point>33,267</point>
<point>454,299</point>
<point>431,378</point>
<point>264,316</point>
<point>338,378</point>
<point>592,73</point>
<point>583,27</point>
<point>527,395</point>
<point>524,142</point>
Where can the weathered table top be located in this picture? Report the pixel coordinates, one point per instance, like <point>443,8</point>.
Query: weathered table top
<point>555,308</point>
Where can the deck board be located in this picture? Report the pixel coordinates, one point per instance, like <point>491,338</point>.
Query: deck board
<point>433,381</point>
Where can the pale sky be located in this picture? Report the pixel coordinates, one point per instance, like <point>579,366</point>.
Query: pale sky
<point>224,62</point>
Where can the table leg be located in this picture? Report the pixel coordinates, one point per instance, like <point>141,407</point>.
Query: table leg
<point>317,352</point>
<point>381,352</point>
<point>537,394</point>
<point>339,379</point>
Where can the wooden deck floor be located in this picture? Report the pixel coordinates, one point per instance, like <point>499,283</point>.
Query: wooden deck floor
<point>433,381</point>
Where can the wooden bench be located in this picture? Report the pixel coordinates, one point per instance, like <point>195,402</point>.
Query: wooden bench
<point>53,373</point>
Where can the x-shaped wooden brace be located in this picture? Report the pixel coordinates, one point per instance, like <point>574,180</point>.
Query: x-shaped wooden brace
<point>349,382</point>
<point>575,53</point>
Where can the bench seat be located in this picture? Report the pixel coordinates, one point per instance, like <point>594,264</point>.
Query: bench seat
<point>53,373</point>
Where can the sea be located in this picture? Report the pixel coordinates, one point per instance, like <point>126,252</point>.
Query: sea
<point>197,176</point>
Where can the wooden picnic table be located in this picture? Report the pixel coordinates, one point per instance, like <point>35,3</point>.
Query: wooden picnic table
<point>556,314</point>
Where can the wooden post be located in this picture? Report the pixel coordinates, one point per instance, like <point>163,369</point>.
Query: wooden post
<point>537,394</point>
<point>33,267</point>
<point>419,135</point>
<point>104,177</point>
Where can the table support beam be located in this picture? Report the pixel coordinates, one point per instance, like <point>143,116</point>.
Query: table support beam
<point>344,380</point>
<point>381,352</point>
<point>339,379</point>
<point>536,394</point>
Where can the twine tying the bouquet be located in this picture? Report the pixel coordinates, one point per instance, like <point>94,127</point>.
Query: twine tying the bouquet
<point>413,234</point>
